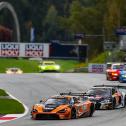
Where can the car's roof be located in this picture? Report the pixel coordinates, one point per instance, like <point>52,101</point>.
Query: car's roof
<point>13,68</point>
<point>102,87</point>
<point>48,61</point>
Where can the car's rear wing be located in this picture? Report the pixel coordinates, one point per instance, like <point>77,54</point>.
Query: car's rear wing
<point>113,85</point>
<point>76,94</point>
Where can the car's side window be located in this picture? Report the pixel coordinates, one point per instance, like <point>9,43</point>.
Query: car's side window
<point>113,91</point>
<point>72,101</point>
<point>75,99</point>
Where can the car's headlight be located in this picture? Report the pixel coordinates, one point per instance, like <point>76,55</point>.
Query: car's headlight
<point>123,75</point>
<point>63,110</point>
<point>114,74</point>
<point>20,72</point>
<point>57,67</point>
<point>106,101</point>
<point>9,72</point>
<point>43,67</point>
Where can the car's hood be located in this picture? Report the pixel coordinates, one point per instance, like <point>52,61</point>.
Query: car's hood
<point>98,98</point>
<point>55,106</point>
<point>49,107</point>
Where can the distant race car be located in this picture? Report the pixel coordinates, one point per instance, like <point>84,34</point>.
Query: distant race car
<point>107,97</point>
<point>14,70</point>
<point>64,106</point>
<point>122,76</point>
<point>113,72</point>
<point>48,66</point>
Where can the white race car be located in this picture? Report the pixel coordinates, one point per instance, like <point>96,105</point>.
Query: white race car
<point>14,70</point>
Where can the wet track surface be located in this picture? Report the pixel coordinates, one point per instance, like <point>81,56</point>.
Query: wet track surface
<point>30,88</point>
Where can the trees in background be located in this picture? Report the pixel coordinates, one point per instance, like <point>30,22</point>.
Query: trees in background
<point>61,19</point>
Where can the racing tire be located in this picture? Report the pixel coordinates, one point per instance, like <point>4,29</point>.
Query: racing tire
<point>107,78</point>
<point>113,104</point>
<point>120,80</point>
<point>92,109</point>
<point>119,100</point>
<point>73,114</point>
<point>124,102</point>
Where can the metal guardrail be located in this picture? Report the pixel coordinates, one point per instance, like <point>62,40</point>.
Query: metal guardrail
<point>81,69</point>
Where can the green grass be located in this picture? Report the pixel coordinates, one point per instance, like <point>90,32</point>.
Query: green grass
<point>26,65</point>
<point>3,93</point>
<point>31,66</point>
<point>10,106</point>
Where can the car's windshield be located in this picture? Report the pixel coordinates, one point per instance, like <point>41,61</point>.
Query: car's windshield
<point>48,63</point>
<point>115,67</point>
<point>99,91</point>
<point>13,69</point>
<point>108,65</point>
<point>57,101</point>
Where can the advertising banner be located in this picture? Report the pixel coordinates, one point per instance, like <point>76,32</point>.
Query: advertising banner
<point>33,50</point>
<point>97,68</point>
<point>24,49</point>
<point>10,49</point>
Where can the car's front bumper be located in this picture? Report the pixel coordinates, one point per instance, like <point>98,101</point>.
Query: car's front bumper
<point>49,115</point>
<point>122,79</point>
<point>114,77</point>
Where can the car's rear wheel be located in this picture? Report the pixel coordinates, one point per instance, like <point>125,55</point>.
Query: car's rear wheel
<point>120,80</point>
<point>120,100</point>
<point>113,103</point>
<point>73,114</point>
<point>107,77</point>
<point>92,109</point>
<point>125,101</point>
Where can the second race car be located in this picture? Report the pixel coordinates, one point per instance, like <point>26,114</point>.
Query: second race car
<point>113,72</point>
<point>47,66</point>
<point>64,106</point>
<point>107,97</point>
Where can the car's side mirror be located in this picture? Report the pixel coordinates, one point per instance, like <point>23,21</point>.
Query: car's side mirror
<point>42,100</point>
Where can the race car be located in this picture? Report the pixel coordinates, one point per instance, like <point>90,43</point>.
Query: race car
<point>63,106</point>
<point>113,72</point>
<point>48,66</point>
<point>108,65</point>
<point>122,76</point>
<point>107,97</point>
<point>14,70</point>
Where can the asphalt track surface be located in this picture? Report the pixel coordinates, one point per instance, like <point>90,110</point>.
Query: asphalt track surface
<point>30,88</point>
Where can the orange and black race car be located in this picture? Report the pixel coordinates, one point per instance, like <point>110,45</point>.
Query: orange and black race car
<point>64,106</point>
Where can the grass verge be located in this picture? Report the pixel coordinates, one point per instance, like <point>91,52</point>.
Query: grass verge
<point>8,105</point>
<point>31,66</point>
<point>3,93</point>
